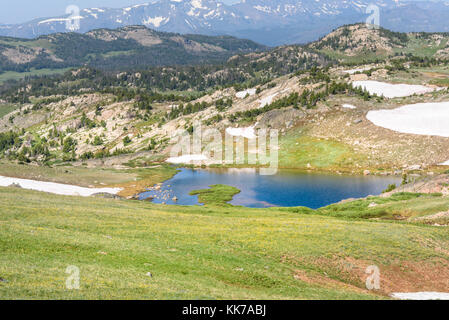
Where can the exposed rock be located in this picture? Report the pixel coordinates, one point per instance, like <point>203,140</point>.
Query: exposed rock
<point>347,200</point>
<point>359,77</point>
<point>280,118</point>
<point>106,195</point>
<point>366,172</point>
<point>15,185</point>
<point>436,216</point>
<point>426,184</point>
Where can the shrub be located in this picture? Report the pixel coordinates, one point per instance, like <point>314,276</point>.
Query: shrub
<point>126,141</point>
<point>390,188</point>
<point>97,141</point>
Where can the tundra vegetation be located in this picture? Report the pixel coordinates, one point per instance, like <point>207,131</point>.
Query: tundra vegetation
<point>101,122</point>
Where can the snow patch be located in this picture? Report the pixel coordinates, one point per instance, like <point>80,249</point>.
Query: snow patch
<point>267,100</point>
<point>242,94</point>
<point>421,118</point>
<point>156,21</point>
<point>198,4</point>
<point>389,90</point>
<point>56,188</point>
<point>248,132</point>
<point>421,295</point>
<point>60,19</point>
<point>265,9</point>
<point>187,158</point>
<point>349,106</point>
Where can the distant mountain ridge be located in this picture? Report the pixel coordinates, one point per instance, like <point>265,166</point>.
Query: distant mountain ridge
<point>137,47</point>
<point>124,48</point>
<point>271,22</point>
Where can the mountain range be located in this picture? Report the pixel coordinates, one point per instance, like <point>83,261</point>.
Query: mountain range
<point>123,48</point>
<point>270,22</point>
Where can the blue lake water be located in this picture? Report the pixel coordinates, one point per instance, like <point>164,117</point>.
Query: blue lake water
<point>288,188</point>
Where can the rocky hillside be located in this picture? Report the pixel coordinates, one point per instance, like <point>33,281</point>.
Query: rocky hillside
<point>89,115</point>
<point>125,48</point>
<point>356,39</point>
<point>321,118</point>
<point>361,41</point>
<point>140,48</point>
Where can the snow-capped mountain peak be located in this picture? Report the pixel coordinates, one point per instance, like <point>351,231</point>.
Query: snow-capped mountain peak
<point>267,21</point>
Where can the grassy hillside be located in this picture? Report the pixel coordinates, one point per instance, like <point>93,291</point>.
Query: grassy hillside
<point>206,252</point>
<point>302,151</point>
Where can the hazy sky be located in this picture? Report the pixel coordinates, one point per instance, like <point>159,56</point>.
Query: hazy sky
<point>17,11</point>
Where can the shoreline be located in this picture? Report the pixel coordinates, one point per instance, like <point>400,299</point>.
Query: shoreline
<point>165,192</point>
<point>159,173</point>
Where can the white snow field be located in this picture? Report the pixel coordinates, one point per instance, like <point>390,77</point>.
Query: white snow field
<point>421,295</point>
<point>248,132</point>
<point>349,106</point>
<point>187,158</point>
<point>242,94</point>
<point>389,90</point>
<point>56,188</point>
<point>446,163</point>
<point>267,100</point>
<point>421,118</point>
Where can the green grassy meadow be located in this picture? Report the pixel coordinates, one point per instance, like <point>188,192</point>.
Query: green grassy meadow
<point>301,151</point>
<point>209,252</point>
<point>12,75</point>
<point>7,108</point>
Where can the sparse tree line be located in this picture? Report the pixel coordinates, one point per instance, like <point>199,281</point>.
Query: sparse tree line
<point>155,85</point>
<point>308,99</point>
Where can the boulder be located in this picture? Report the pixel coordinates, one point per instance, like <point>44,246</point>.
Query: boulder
<point>106,195</point>
<point>15,185</point>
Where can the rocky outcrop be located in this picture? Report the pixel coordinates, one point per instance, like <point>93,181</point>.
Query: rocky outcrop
<point>437,184</point>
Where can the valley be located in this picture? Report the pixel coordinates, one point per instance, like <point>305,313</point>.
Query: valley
<point>361,109</point>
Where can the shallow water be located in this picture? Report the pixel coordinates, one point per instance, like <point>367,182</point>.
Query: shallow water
<point>288,188</point>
